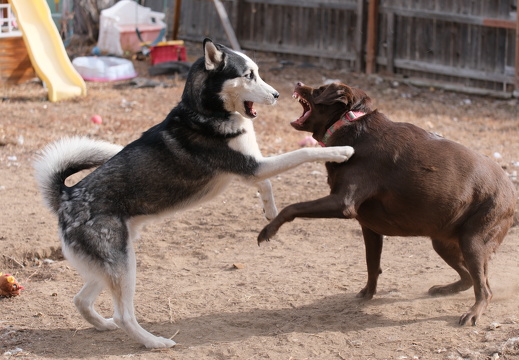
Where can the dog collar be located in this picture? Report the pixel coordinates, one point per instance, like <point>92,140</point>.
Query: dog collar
<point>347,117</point>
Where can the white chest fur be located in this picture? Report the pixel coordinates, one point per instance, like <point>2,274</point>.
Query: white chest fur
<point>246,142</point>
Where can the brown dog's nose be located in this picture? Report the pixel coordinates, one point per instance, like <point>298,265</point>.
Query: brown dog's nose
<point>299,83</point>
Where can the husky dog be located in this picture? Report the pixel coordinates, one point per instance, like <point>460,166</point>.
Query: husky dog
<point>190,157</point>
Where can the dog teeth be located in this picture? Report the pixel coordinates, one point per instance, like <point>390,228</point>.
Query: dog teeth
<point>298,97</point>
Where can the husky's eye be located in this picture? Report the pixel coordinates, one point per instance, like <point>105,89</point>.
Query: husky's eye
<point>250,75</point>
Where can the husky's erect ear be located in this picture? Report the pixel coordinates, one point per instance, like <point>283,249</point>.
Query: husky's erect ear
<point>213,56</point>
<point>355,99</point>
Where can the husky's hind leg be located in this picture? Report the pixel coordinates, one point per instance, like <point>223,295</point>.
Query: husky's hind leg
<point>102,251</point>
<point>84,302</point>
<point>122,286</point>
<point>95,281</point>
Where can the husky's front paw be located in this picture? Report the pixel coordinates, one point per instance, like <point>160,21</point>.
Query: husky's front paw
<point>159,342</point>
<point>107,325</point>
<point>340,153</point>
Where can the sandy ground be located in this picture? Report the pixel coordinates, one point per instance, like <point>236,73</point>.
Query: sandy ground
<point>293,298</point>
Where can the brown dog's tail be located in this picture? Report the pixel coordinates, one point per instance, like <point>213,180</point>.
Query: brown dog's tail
<point>65,157</point>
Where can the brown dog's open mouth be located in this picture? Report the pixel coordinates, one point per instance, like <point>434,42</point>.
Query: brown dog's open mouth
<point>249,109</point>
<point>307,110</point>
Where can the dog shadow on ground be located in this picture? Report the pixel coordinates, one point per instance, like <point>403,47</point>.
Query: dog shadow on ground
<point>336,313</point>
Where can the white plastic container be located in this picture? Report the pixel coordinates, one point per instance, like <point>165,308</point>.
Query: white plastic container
<point>104,68</point>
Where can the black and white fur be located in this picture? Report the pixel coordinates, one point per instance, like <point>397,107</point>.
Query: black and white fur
<point>190,157</point>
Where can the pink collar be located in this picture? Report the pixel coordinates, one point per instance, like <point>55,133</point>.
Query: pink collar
<point>347,117</point>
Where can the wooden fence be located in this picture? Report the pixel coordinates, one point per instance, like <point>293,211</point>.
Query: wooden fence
<point>467,45</point>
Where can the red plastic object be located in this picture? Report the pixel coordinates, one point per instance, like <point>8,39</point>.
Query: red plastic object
<point>163,53</point>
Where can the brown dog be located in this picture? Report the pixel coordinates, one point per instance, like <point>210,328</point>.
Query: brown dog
<point>405,181</point>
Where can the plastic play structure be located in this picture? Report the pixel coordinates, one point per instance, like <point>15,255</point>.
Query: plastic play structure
<point>46,50</point>
<point>15,63</point>
<point>8,26</point>
<point>126,25</point>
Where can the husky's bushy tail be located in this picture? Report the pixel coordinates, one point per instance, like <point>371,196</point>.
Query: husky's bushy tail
<point>65,157</point>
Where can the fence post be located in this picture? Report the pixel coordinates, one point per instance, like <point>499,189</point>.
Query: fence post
<point>516,90</point>
<point>176,19</point>
<point>224,18</point>
<point>371,46</point>
<point>359,29</point>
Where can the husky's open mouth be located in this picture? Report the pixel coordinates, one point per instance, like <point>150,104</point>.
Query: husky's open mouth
<point>307,110</point>
<point>249,109</point>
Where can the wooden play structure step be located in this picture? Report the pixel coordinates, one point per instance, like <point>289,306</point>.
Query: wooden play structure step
<point>15,64</point>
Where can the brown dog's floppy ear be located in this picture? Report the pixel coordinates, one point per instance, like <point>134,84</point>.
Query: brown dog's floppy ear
<point>332,93</point>
<point>336,92</point>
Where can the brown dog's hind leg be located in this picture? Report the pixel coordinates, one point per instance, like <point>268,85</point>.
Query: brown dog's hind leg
<point>373,243</point>
<point>477,245</point>
<point>476,256</point>
<point>451,254</point>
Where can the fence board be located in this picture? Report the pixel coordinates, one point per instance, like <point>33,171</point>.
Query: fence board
<point>455,44</point>
<point>465,42</point>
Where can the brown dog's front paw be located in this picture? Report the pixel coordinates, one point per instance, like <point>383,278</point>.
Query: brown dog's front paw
<point>263,235</point>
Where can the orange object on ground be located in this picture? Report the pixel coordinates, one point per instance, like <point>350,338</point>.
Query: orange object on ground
<point>8,286</point>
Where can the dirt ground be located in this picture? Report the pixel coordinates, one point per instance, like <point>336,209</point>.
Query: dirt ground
<point>293,298</point>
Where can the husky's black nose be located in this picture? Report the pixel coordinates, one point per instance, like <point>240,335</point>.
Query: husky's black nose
<point>276,95</point>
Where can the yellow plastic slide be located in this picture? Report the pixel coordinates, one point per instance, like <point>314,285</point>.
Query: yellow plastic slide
<point>46,49</point>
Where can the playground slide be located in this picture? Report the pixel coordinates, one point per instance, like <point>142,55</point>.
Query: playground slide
<point>46,50</point>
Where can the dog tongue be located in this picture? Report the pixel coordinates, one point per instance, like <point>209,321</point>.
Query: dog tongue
<point>249,110</point>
